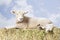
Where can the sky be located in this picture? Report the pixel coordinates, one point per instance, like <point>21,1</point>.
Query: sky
<point>37,8</point>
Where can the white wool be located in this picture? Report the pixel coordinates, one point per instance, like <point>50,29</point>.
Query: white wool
<point>33,22</point>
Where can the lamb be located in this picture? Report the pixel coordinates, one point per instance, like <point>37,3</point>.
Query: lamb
<point>47,27</point>
<point>26,22</point>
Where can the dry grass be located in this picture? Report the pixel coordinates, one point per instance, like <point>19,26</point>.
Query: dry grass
<point>34,34</point>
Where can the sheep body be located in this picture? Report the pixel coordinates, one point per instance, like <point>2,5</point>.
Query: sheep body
<point>32,23</point>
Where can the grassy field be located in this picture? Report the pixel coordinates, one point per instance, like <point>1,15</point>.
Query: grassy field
<point>34,34</point>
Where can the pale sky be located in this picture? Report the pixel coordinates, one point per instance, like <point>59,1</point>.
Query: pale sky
<point>38,8</point>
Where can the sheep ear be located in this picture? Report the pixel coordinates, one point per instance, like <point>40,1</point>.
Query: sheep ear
<point>13,11</point>
<point>25,12</point>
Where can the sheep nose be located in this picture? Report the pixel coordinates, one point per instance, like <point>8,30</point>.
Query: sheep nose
<point>21,18</point>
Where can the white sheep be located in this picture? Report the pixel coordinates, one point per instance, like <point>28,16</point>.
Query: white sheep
<point>48,27</point>
<point>26,22</point>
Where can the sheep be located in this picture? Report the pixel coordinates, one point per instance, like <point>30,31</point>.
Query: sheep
<point>26,22</point>
<point>47,27</point>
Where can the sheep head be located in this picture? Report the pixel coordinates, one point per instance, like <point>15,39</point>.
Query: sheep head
<point>19,14</point>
